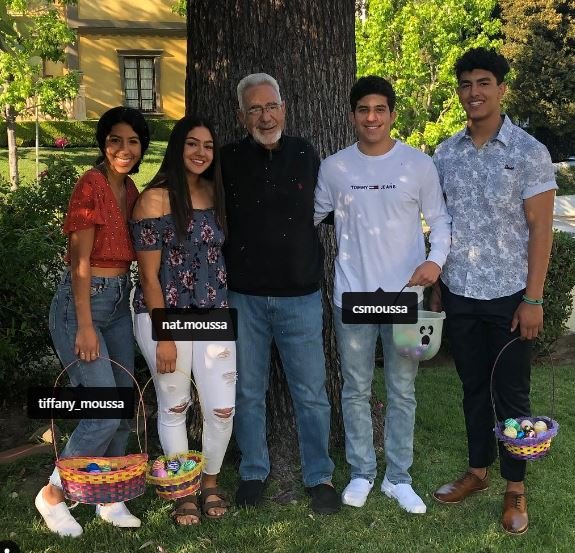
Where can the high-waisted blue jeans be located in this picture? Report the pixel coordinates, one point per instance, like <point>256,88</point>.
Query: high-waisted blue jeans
<point>111,316</point>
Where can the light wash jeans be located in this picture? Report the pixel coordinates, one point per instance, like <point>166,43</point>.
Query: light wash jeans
<point>295,323</point>
<point>110,303</point>
<point>356,346</point>
<point>214,368</point>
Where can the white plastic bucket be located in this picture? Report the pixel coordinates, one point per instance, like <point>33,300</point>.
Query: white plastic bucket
<point>419,341</point>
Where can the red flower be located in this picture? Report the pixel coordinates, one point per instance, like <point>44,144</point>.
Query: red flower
<point>61,142</point>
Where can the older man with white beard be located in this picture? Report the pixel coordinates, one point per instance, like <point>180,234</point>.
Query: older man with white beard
<point>275,264</point>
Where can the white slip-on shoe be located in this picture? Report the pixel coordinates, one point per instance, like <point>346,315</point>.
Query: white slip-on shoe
<point>405,496</point>
<point>356,492</point>
<point>57,517</point>
<point>118,515</point>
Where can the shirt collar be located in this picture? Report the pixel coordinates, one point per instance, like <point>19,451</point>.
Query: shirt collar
<point>503,134</point>
<point>263,149</point>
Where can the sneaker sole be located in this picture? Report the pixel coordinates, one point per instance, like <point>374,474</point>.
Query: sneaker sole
<point>326,510</point>
<point>119,525</point>
<point>39,508</point>
<point>391,496</point>
<point>351,504</point>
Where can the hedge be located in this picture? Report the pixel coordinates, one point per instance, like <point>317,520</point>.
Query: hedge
<point>79,133</point>
<point>31,252</point>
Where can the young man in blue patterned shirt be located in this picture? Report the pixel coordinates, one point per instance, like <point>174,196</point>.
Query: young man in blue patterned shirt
<point>499,187</point>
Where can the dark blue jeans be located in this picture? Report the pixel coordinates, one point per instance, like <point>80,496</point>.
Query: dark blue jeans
<point>111,316</point>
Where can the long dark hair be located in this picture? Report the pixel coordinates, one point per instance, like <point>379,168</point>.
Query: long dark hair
<point>172,175</point>
<point>130,116</point>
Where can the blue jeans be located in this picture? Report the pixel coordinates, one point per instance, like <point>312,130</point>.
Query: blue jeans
<point>295,323</point>
<point>356,346</point>
<point>112,319</point>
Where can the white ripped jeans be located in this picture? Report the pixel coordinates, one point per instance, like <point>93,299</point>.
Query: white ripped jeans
<point>214,369</point>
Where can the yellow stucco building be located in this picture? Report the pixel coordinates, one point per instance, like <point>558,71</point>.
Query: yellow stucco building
<point>129,53</point>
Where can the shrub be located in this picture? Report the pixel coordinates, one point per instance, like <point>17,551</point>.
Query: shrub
<point>557,293</point>
<point>78,133</point>
<point>160,129</point>
<point>565,181</point>
<point>558,286</point>
<point>31,252</point>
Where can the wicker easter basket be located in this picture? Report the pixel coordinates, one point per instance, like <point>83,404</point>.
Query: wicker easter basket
<point>126,479</point>
<point>526,449</point>
<point>178,485</point>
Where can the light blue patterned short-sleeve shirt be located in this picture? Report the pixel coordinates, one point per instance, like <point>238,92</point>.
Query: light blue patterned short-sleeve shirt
<point>484,191</point>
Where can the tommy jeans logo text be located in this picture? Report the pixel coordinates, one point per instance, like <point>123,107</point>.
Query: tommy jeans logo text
<point>373,187</point>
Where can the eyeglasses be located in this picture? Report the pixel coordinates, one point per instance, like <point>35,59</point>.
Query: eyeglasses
<point>256,111</point>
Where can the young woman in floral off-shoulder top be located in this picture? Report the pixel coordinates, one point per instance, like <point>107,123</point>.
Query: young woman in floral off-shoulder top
<point>178,231</point>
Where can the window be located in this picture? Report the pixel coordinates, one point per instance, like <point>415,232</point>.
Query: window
<point>139,83</point>
<point>140,78</point>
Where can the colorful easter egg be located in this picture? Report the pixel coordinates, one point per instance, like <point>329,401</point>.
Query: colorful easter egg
<point>187,466</point>
<point>173,465</point>
<point>93,467</point>
<point>510,432</point>
<point>526,424</point>
<point>512,423</point>
<point>540,427</point>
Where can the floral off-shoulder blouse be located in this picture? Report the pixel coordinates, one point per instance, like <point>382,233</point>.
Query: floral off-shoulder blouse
<point>192,272</point>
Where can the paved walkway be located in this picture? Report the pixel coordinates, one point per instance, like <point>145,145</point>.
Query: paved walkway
<point>564,214</point>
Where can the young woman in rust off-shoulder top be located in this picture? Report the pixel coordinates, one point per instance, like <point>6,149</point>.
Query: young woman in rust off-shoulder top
<point>90,319</point>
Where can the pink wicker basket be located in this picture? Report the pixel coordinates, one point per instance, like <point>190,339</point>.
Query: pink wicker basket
<point>126,479</point>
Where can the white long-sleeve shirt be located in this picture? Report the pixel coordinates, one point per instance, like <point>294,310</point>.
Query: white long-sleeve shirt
<point>377,202</point>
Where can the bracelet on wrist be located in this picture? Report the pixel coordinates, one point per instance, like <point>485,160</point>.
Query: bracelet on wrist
<point>532,301</point>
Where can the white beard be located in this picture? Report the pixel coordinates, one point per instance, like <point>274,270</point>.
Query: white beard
<point>267,139</point>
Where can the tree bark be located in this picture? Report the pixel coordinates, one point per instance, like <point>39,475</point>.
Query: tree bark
<point>309,47</point>
<point>12,148</point>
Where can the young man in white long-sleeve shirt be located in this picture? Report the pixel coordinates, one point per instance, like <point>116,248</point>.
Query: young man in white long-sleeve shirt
<point>378,187</point>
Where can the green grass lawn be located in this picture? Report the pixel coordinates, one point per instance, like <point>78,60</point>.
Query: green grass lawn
<point>82,158</point>
<point>440,452</point>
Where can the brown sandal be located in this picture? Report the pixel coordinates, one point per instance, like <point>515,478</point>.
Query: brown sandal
<point>207,505</point>
<point>187,506</point>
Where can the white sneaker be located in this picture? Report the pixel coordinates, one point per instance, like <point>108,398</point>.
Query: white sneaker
<point>118,515</point>
<point>404,495</point>
<point>57,517</point>
<point>356,492</point>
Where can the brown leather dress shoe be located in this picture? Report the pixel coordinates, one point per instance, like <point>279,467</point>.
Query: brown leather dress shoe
<point>515,520</point>
<point>458,490</point>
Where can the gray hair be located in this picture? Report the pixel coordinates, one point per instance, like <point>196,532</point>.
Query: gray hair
<point>256,79</point>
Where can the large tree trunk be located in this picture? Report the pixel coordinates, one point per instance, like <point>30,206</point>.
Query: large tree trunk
<point>308,46</point>
<point>12,148</point>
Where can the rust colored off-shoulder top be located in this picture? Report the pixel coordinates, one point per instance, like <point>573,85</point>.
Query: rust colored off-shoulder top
<point>93,204</point>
